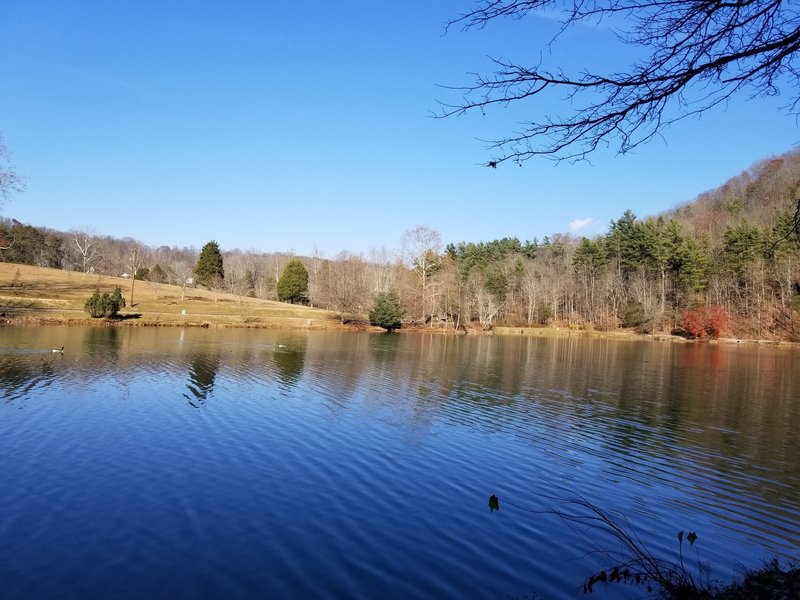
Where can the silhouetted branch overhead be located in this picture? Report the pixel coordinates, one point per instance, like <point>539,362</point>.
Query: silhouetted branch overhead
<point>698,55</point>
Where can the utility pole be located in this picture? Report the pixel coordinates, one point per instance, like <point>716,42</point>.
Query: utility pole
<point>135,256</point>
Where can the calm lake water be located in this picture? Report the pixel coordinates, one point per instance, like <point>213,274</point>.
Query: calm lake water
<point>204,463</point>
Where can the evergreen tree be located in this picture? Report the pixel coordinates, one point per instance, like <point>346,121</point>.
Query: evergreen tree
<point>293,284</point>
<point>386,312</point>
<point>468,255</point>
<point>496,283</point>
<point>105,304</point>
<point>625,241</point>
<point>785,234</point>
<point>658,248</point>
<point>692,262</point>
<point>157,275</point>
<point>743,244</point>
<point>250,284</point>
<point>590,257</point>
<point>209,265</point>
<point>30,245</point>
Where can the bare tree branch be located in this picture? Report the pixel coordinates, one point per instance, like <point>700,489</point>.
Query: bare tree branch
<point>10,181</point>
<point>700,55</point>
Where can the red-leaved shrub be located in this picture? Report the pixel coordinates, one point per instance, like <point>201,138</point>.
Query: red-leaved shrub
<point>692,323</point>
<point>716,320</point>
<point>706,320</point>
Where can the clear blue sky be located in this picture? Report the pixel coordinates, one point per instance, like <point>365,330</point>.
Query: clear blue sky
<point>285,125</point>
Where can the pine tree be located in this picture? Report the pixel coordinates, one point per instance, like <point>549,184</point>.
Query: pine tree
<point>209,265</point>
<point>293,284</point>
<point>692,262</point>
<point>386,312</point>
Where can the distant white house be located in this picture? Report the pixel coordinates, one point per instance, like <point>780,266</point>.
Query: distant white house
<point>126,275</point>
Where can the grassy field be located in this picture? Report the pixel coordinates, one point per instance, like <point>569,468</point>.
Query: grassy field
<point>35,294</point>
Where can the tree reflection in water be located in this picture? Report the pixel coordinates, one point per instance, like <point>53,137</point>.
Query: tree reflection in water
<point>383,348</point>
<point>202,373</point>
<point>20,374</point>
<point>104,342</point>
<point>289,358</point>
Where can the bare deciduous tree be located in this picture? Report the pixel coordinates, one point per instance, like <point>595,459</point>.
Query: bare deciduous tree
<point>381,268</point>
<point>453,297</point>
<point>88,246</point>
<point>216,286</point>
<point>345,284</point>
<point>136,257</point>
<point>531,289</point>
<point>276,262</point>
<point>421,247</point>
<point>696,55</point>
<point>239,273</point>
<point>263,281</point>
<point>10,180</point>
<point>182,274</point>
<point>485,302</point>
<point>314,265</point>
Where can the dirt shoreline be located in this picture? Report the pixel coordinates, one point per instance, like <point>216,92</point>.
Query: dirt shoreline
<point>633,335</point>
<point>29,317</point>
<point>213,321</point>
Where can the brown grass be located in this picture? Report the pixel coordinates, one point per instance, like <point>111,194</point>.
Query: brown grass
<point>37,294</point>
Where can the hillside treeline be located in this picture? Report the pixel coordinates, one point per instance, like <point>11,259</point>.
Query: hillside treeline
<point>735,247</point>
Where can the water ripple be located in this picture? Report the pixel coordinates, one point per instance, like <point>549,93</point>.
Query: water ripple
<point>330,465</point>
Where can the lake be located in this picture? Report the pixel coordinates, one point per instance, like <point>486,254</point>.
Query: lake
<point>166,462</point>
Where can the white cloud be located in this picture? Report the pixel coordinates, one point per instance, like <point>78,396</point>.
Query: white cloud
<point>579,224</point>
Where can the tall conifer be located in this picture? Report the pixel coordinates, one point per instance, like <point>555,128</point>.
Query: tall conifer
<point>209,265</point>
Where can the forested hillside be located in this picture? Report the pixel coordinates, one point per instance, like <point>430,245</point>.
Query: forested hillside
<point>735,247</point>
<point>731,256</point>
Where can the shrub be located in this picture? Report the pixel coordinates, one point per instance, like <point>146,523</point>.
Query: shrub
<point>716,320</point>
<point>544,314</point>
<point>705,321</point>
<point>692,323</point>
<point>633,315</point>
<point>105,304</point>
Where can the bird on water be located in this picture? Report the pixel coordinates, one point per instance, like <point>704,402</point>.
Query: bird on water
<point>59,350</point>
